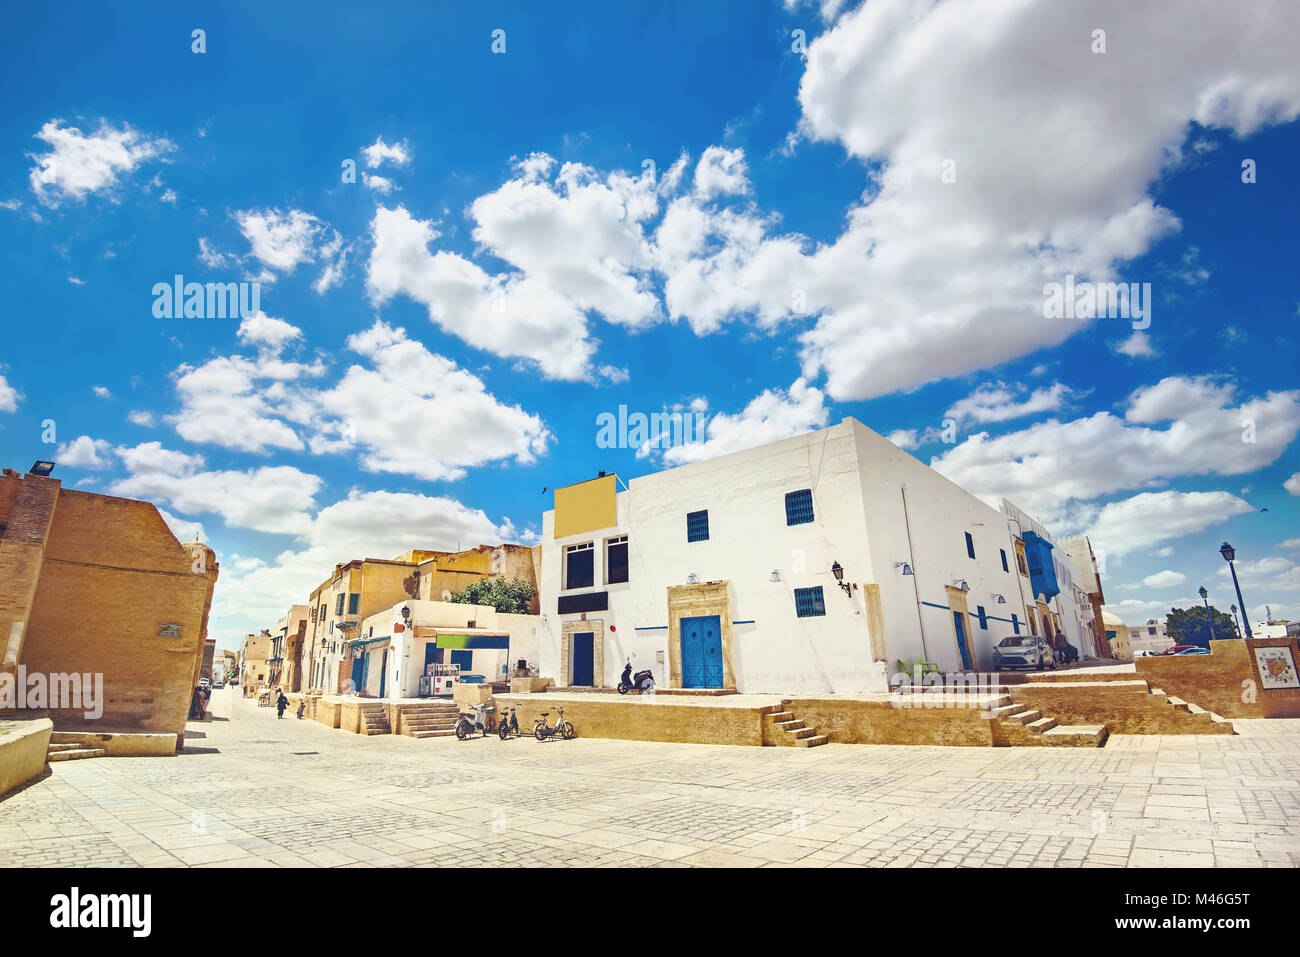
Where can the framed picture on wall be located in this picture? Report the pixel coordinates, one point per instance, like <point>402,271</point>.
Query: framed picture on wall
<point>1277,670</point>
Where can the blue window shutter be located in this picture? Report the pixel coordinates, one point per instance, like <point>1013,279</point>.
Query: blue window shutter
<point>799,507</point>
<point>809,603</point>
<point>970,545</point>
<point>983,617</point>
<point>1015,622</point>
<point>697,526</point>
<point>1005,567</point>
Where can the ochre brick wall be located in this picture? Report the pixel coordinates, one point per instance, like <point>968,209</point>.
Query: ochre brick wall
<point>856,721</point>
<point>1217,681</point>
<point>112,574</point>
<point>1125,707</point>
<point>645,719</point>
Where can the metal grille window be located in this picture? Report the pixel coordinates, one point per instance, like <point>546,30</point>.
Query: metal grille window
<point>354,601</point>
<point>983,617</point>
<point>1015,622</point>
<point>799,507</point>
<point>808,602</point>
<point>338,603</point>
<point>697,526</point>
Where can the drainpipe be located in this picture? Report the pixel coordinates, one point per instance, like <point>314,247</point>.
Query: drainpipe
<point>920,617</point>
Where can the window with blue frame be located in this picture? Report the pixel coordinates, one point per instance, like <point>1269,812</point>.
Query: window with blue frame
<point>1005,567</point>
<point>697,526</point>
<point>799,507</point>
<point>809,603</point>
<point>983,617</point>
<point>970,545</point>
<point>354,601</point>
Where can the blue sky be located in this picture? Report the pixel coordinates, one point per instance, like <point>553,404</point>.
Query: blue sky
<point>856,220</point>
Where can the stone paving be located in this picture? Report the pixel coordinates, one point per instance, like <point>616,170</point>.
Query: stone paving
<point>254,791</point>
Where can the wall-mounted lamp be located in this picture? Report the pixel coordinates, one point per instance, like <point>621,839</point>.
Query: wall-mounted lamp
<point>907,569</point>
<point>691,579</point>
<point>838,571</point>
<point>41,467</point>
<point>776,575</point>
<point>1001,599</point>
<point>958,583</point>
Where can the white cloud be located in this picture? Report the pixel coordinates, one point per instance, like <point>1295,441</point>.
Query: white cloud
<point>102,392</point>
<point>82,163</point>
<point>380,184</point>
<point>418,413</point>
<point>935,279</point>
<point>999,403</point>
<point>1045,465</point>
<point>1292,485</point>
<point>399,154</point>
<point>84,453</point>
<point>9,396</point>
<point>267,499</point>
<point>1290,543</point>
<point>282,240</point>
<point>721,171</point>
<point>1137,522</point>
<point>1164,579</point>
<point>260,329</point>
<point>1269,574</point>
<point>773,415</point>
<point>184,530</point>
<point>140,417</point>
<point>1136,346</point>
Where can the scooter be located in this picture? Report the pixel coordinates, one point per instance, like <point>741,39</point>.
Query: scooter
<point>507,725</point>
<point>562,727</point>
<point>642,681</point>
<point>478,721</point>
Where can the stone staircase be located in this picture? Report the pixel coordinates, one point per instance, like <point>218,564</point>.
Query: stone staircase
<point>1019,725</point>
<point>783,729</point>
<point>374,719</point>
<point>71,746</point>
<point>1214,724</point>
<point>435,719</point>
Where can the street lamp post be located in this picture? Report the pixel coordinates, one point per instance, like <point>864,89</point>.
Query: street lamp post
<point>1229,553</point>
<point>1236,619</point>
<point>1205,597</point>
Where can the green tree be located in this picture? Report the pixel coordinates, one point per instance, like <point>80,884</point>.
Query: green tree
<point>514,596</point>
<point>1191,626</point>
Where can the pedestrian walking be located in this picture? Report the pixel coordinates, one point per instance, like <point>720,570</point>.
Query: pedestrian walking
<point>280,704</point>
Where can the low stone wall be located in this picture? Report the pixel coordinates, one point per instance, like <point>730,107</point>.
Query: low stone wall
<point>855,721</point>
<point>328,711</point>
<point>1226,681</point>
<point>468,694</point>
<point>23,745</point>
<point>1125,707</point>
<point>530,685</point>
<point>121,744</point>
<point>643,719</point>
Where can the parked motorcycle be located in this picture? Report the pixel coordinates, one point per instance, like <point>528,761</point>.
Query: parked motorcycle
<point>642,681</point>
<point>508,724</point>
<point>542,731</point>
<point>477,719</point>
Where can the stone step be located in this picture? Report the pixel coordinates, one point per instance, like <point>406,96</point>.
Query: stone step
<point>1025,717</point>
<point>778,717</point>
<point>76,754</point>
<point>1218,719</point>
<point>1178,703</point>
<point>1077,736</point>
<point>65,746</point>
<point>1041,725</point>
<point>815,741</point>
<point>440,733</point>
<point>802,732</point>
<point>1006,710</point>
<point>1196,709</point>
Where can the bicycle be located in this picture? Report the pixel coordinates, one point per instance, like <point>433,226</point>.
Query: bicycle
<point>562,727</point>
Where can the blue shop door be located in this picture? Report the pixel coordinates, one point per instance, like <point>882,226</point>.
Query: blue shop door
<point>358,674</point>
<point>584,658</point>
<point>958,622</point>
<point>383,674</point>
<point>702,652</point>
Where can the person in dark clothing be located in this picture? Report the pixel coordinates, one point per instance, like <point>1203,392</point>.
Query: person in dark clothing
<point>280,704</point>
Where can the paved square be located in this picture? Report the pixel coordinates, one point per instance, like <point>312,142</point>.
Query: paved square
<point>251,790</point>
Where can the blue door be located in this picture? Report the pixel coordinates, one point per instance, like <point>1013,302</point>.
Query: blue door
<point>702,652</point>
<point>584,658</point>
<point>464,658</point>
<point>958,622</point>
<point>383,674</point>
<point>358,673</point>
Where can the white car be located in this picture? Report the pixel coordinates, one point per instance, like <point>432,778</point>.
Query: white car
<point>1023,651</point>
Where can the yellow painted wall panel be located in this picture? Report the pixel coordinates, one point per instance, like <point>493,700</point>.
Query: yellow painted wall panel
<point>584,507</point>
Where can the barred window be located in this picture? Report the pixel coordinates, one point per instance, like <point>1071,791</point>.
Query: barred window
<point>697,526</point>
<point>808,602</point>
<point>799,507</point>
<point>983,617</point>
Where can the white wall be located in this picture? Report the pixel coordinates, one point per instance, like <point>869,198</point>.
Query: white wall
<point>855,476</point>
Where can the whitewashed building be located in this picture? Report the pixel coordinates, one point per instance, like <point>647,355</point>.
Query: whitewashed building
<point>725,573</point>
